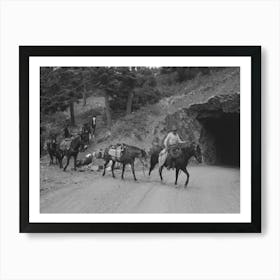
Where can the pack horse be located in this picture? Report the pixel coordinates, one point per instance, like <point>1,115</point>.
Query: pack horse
<point>125,154</point>
<point>70,148</point>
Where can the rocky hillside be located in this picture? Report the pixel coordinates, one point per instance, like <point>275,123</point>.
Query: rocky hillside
<point>197,107</point>
<point>150,124</point>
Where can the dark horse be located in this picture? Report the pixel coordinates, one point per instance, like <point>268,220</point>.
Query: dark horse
<point>53,151</point>
<point>85,133</point>
<point>70,148</point>
<point>128,157</point>
<point>180,162</point>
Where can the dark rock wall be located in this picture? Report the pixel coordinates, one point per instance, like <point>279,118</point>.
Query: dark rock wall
<point>194,125</point>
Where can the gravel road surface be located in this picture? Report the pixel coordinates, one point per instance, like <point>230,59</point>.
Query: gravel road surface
<point>211,189</point>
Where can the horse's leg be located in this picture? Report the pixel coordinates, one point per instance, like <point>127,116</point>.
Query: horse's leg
<point>177,173</point>
<point>60,160</point>
<point>123,168</point>
<point>133,171</point>
<point>151,169</point>
<point>160,172</point>
<point>75,161</point>
<point>105,166</point>
<point>67,163</point>
<point>112,168</point>
<point>51,159</point>
<point>188,176</point>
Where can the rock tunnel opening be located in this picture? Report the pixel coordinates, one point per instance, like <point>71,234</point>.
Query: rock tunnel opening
<point>220,137</point>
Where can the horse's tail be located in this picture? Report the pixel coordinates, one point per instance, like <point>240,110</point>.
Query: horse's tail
<point>153,161</point>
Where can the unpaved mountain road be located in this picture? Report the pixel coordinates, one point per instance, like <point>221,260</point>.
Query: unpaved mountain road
<point>210,190</point>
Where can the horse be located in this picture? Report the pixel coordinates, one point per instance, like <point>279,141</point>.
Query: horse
<point>128,156</point>
<point>52,148</point>
<point>70,148</point>
<point>180,162</point>
<point>86,133</point>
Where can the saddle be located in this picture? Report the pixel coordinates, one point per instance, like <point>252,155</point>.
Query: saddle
<point>175,150</point>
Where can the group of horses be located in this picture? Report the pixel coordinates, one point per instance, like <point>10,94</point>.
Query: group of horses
<point>68,147</point>
<point>180,162</point>
<point>71,147</point>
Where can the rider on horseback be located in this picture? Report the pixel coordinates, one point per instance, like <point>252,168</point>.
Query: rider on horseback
<point>171,143</point>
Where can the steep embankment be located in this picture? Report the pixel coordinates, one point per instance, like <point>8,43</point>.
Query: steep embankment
<point>150,124</point>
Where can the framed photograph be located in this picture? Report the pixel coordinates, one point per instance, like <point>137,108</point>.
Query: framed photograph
<point>142,139</point>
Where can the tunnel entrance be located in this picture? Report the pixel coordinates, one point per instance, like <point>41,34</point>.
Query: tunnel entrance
<point>220,137</point>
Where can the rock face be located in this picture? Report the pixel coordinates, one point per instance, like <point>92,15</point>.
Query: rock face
<point>214,125</point>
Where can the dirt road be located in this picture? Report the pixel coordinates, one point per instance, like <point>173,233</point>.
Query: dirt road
<point>210,190</point>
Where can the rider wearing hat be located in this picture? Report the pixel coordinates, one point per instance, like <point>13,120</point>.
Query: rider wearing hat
<point>171,140</point>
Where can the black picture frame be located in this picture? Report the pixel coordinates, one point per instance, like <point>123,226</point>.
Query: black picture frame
<point>25,52</point>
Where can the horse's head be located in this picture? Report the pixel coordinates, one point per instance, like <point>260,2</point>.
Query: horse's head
<point>78,143</point>
<point>143,154</point>
<point>143,157</point>
<point>198,154</point>
<point>139,153</point>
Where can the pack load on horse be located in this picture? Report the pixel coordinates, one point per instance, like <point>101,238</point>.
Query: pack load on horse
<point>124,154</point>
<point>174,155</point>
<point>116,151</point>
<point>170,150</point>
<point>70,147</point>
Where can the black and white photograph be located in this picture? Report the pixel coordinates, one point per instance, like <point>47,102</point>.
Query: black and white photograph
<point>140,139</point>
<point>128,136</point>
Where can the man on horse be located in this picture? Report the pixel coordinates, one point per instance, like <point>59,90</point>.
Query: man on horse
<point>171,143</point>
